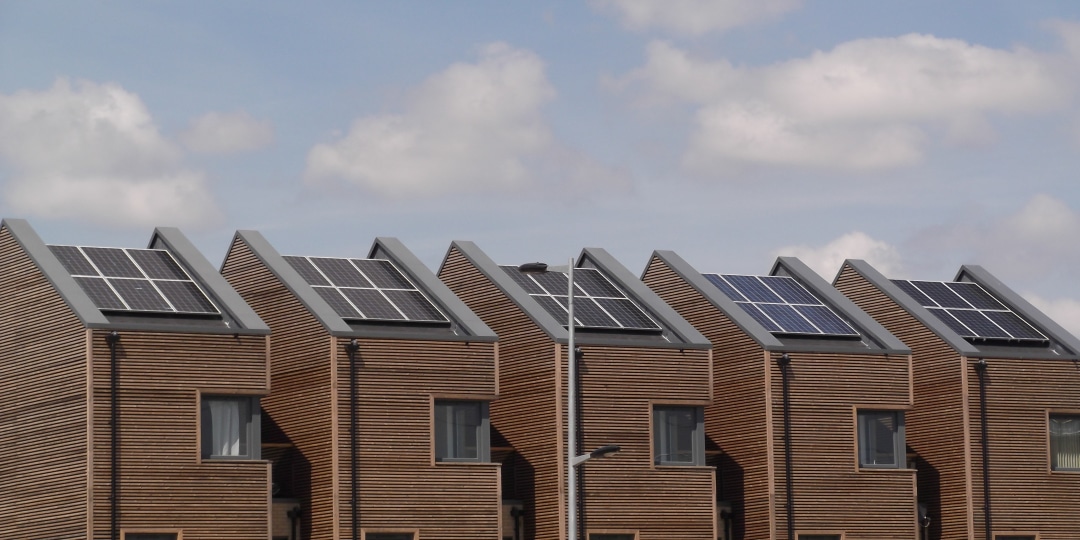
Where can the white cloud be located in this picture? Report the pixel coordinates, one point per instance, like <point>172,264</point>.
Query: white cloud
<point>695,17</point>
<point>226,133</point>
<point>1064,311</point>
<point>471,127</point>
<point>827,259</point>
<point>866,104</point>
<point>91,152</point>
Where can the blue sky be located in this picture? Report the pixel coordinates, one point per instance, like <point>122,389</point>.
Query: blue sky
<point>917,135</point>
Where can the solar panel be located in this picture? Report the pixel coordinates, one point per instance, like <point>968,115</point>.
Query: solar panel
<point>366,289</point>
<point>137,280</point>
<point>598,303</point>
<point>970,310</point>
<point>782,305</point>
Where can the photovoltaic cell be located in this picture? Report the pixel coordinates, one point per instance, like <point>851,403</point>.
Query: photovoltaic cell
<point>73,259</point>
<point>782,305</point>
<point>970,310</point>
<point>415,306</point>
<point>341,306</point>
<point>141,280</point>
<point>112,262</point>
<point>382,274</point>
<point>341,272</point>
<point>598,303</point>
<point>157,264</point>
<point>307,271</point>
<point>372,304</point>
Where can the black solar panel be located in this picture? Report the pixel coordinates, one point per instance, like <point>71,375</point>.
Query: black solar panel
<point>382,274</point>
<point>141,280</point>
<point>598,303</point>
<point>782,305</point>
<point>970,310</point>
<point>366,289</point>
<point>307,271</point>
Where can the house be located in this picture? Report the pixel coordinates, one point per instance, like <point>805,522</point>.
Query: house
<point>643,381</point>
<point>811,398</point>
<point>996,422</point>
<point>130,382</point>
<point>381,381</point>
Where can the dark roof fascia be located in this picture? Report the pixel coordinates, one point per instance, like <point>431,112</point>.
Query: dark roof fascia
<point>1018,304</point>
<point>407,262</point>
<point>642,295</point>
<point>870,328</point>
<point>718,299</point>
<point>171,239</point>
<point>490,269</point>
<point>292,281</point>
<point>882,283</point>
<point>61,280</point>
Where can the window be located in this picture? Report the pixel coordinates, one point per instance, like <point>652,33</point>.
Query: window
<point>1064,442</point>
<point>1014,537</point>
<point>881,439</point>
<point>230,427</point>
<point>389,536</point>
<point>461,431</point>
<point>150,536</point>
<point>678,435</point>
<point>624,536</point>
<point>819,537</point>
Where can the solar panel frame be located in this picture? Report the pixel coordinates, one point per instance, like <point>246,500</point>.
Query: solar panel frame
<point>372,304</point>
<point>341,272</point>
<point>598,303</point>
<point>152,269</point>
<point>994,322</point>
<point>783,305</point>
<point>308,271</point>
<point>382,274</point>
<point>415,305</point>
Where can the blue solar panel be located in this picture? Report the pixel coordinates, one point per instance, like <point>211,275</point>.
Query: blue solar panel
<point>970,310</point>
<point>782,305</point>
<point>366,289</point>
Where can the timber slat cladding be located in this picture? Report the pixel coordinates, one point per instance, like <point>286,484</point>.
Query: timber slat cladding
<point>43,426</point>
<point>825,388</point>
<point>1025,495</point>
<point>400,486</point>
<point>619,386</point>
<point>163,483</point>
<point>299,400</point>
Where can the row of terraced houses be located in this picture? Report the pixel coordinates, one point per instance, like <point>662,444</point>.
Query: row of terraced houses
<point>147,395</point>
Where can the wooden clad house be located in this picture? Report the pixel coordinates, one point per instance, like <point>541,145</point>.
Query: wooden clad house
<point>382,380</point>
<point>811,398</point>
<point>996,422</point>
<point>129,394</point>
<point>643,381</point>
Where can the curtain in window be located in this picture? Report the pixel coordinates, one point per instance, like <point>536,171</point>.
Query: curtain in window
<point>1064,442</point>
<point>225,427</point>
<point>675,434</point>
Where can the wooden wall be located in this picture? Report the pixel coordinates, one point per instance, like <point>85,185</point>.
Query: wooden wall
<point>43,398</point>
<point>938,425</point>
<point>401,487</point>
<point>526,413</point>
<point>746,422</point>
<point>619,385</point>
<point>300,397</point>
<point>163,484</point>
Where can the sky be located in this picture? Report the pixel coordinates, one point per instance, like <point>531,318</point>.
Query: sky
<point>917,135</point>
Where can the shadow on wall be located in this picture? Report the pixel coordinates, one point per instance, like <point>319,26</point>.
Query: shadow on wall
<point>729,488</point>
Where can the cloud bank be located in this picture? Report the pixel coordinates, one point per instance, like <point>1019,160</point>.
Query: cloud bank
<point>827,259</point>
<point>694,17</point>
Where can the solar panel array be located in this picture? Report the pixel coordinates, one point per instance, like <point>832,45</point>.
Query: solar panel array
<point>782,305</point>
<point>969,310</point>
<point>139,280</point>
<point>366,289</point>
<point>597,302</point>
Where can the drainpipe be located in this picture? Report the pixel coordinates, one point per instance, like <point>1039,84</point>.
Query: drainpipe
<point>351,349</point>
<point>980,368</point>
<point>784,362</point>
<point>113,338</point>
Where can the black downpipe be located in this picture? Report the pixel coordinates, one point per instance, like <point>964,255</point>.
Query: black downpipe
<point>580,442</point>
<point>980,368</point>
<point>113,338</point>
<point>784,362</point>
<point>354,462</point>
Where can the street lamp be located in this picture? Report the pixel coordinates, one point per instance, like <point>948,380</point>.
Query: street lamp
<point>572,459</point>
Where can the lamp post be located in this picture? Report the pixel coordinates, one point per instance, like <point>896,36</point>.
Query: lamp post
<point>572,459</point>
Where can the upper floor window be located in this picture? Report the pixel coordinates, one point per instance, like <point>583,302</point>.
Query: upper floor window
<point>230,427</point>
<point>881,439</point>
<point>1065,442</point>
<point>462,431</point>
<point>678,435</point>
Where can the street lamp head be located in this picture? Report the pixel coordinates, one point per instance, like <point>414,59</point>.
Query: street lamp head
<point>605,451</point>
